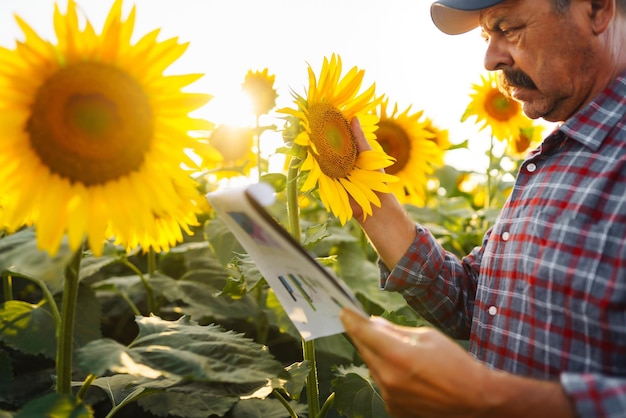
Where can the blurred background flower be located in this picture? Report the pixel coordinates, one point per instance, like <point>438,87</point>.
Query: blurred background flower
<point>414,143</point>
<point>236,145</point>
<point>493,110</point>
<point>259,85</point>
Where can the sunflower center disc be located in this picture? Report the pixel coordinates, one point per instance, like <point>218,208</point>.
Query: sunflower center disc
<point>91,123</point>
<point>334,140</point>
<point>499,107</point>
<point>396,143</point>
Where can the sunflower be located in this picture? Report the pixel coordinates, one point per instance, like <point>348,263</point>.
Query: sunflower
<point>412,141</point>
<point>236,145</point>
<point>494,110</point>
<point>95,137</point>
<point>332,162</point>
<point>259,85</point>
<point>529,136</point>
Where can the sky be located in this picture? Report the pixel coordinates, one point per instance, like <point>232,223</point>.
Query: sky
<point>393,41</point>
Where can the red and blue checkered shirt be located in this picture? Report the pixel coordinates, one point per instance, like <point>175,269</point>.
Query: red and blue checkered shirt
<point>544,296</point>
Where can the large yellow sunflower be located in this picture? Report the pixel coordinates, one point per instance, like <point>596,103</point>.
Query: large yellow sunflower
<point>259,85</point>
<point>236,145</point>
<point>94,136</point>
<point>493,109</point>
<point>332,162</point>
<point>412,140</point>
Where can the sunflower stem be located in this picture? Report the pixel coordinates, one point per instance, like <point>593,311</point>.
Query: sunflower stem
<point>326,407</point>
<point>151,262</point>
<point>293,210</point>
<point>7,287</point>
<point>308,347</point>
<point>281,398</point>
<point>152,306</point>
<point>65,331</point>
<point>86,385</point>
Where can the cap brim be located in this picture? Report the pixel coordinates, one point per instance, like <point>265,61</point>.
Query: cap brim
<point>453,21</point>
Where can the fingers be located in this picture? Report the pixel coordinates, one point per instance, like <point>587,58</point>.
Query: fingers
<point>359,136</point>
<point>372,334</point>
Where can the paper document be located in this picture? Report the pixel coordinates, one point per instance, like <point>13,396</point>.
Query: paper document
<point>310,293</point>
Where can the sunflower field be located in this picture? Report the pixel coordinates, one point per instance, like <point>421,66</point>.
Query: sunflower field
<point>123,294</point>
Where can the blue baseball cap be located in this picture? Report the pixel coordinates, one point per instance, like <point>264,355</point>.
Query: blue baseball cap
<point>458,16</point>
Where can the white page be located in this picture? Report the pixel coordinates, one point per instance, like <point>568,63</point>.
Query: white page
<point>310,293</point>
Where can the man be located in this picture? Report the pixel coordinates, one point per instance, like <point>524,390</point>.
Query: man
<point>543,299</point>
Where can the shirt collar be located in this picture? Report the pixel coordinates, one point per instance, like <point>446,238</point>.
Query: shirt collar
<point>592,124</point>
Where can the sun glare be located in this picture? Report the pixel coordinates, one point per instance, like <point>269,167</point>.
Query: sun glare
<point>232,109</point>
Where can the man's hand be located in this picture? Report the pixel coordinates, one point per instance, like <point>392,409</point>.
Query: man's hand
<point>419,371</point>
<point>423,373</point>
<point>389,228</point>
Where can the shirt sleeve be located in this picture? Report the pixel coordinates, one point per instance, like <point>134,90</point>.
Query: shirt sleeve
<point>595,395</point>
<point>436,283</point>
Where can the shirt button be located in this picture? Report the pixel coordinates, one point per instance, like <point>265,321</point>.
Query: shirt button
<point>505,236</point>
<point>492,310</point>
<point>531,167</point>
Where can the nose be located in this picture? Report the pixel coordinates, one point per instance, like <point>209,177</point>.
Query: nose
<point>497,55</point>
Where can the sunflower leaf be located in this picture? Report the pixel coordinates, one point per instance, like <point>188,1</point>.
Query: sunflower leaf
<point>123,388</point>
<point>222,240</point>
<point>278,181</point>
<point>267,408</point>
<point>183,349</point>
<point>55,405</point>
<point>355,396</point>
<point>19,255</point>
<point>192,400</point>
<point>28,328</point>
<point>361,275</point>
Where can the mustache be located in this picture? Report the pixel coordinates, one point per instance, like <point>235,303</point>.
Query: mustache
<point>515,78</point>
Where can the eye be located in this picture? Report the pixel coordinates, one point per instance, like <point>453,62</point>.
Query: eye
<point>510,34</point>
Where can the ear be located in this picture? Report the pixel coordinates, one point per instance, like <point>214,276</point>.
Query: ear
<point>601,14</point>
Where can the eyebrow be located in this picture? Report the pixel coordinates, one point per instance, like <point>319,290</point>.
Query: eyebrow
<point>492,21</point>
<point>493,25</point>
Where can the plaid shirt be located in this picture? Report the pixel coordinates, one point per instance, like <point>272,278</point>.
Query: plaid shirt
<point>545,294</point>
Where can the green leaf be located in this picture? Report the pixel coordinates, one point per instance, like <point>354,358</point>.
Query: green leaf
<point>314,234</point>
<point>222,240</point>
<point>248,269</point>
<point>202,300</point>
<point>336,345</point>
<point>278,181</point>
<point>19,255</point>
<point>362,276</point>
<point>268,408</point>
<point>189,401</point>
<point>356,397</point>
<point>91,265</point>
<point>28,328</point>
<point>299,373</point>
<point>55,405</point>
<point>123,389</point>
<point>183,349</point>
<point>32,329</point>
